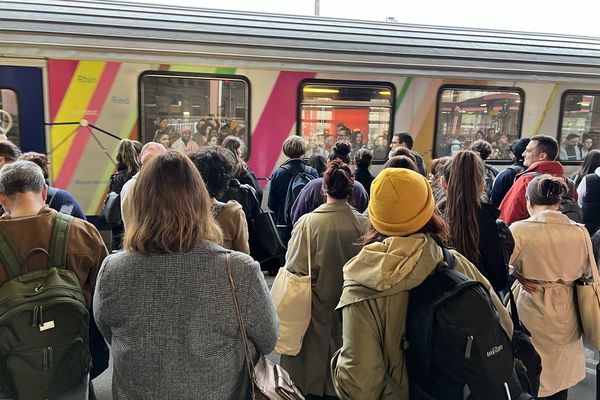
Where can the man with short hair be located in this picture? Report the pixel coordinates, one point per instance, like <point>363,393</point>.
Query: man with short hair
<point>571,150</point>
<point>539,158</point>
<point>28,222</point>
<point>405,139</point>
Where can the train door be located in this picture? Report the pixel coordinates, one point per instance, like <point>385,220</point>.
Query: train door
<point>22,107</point>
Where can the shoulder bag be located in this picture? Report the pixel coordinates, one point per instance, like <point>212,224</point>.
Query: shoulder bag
<point>268,380</point>
<point>292,296</point>
<point>111,211</point>
<point>265,243</point>
<point>588,301</point>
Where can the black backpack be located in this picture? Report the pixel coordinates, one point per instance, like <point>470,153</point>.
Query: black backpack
<point>457,348</point>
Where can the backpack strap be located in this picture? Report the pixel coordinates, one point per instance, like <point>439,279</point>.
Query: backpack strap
<point>58,240</point>
<point>13,264</point>
<point>52,191</point>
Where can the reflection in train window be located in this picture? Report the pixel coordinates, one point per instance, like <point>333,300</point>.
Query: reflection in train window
<point>209,108</point>
<point>465,114</point>
<point>9,115</point>
<point>580,125</point>
<point>358,112</point>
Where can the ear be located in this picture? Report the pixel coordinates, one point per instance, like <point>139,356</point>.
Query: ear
<point>543,157</point>
<point>3,199</point>
<point>45,192</point>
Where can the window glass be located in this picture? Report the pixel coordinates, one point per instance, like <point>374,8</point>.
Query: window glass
<point>468,114</point>
<point>356,112</point>
<point>9,115</point>
<point>209,108</point>
<point>580,127</point>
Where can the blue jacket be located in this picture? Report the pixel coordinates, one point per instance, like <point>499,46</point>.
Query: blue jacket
<point>280,180</point>
<point>504,181</point>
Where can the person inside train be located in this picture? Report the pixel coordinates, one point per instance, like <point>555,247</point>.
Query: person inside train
<point>215,165</point>
<point>506,177</point>
<point>58,199</point>
<point>571,151</point>
<point>128,164</point>
<point>400,250</point>
<point>184,143</point>
<point>200,136</point>
<point>147,154</point>
<point>165,304</point>
<point>380,150</point>
<point>362,160</point>
<point>356,141</point>
<point>472,220</point>
<point>335,227</point>
<point>242,171</point>
<point>587,144</point>
<point>293,148</point>
<point>551,252</point>
<point>213,138</point>
<point>539,158</point>
<point>587,180</point>
<point>405,139</point>
<point>312,195</point>
<point>163,138</point>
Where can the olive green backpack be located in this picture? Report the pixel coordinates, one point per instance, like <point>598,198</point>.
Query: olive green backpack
<point>44,322</point>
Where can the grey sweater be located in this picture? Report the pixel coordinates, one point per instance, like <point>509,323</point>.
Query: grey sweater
<point>172,326</point>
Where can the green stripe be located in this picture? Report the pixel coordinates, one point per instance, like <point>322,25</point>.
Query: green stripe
<point>225,71</point>
<point>403,90</point>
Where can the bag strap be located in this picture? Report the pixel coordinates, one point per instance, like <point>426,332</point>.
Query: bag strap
<point>13,264</point>
<point>52,191</point>
<point>241,324</point>
<point>514,313</point>
<point>308,244</point>
<point>58,241</point>
<point>592,260</point>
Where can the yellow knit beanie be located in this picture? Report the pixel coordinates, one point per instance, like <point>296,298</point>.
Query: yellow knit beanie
<point>401,202</point>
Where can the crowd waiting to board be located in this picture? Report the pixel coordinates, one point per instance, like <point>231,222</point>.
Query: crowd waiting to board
<point>183,291</point>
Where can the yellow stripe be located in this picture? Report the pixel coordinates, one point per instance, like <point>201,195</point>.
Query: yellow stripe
<point>192,68</point>
<point>73,108</point>
<point>540,121</point>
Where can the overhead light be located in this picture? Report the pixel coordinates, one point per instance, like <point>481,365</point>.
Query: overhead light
<point>517,101</point>
<point>319,90</point>
<point>385,93</point>
<point>483,105</point>
<point>584,103</point>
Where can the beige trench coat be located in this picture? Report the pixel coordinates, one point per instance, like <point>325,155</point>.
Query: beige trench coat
<point>334,230</point>
<point>551,249</point>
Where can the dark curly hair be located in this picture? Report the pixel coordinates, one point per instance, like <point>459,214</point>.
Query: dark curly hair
<point>341,151</point>
<point>216,167</point>
<point>338,180</point>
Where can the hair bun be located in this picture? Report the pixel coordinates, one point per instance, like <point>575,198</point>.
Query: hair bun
<point>342,148</point>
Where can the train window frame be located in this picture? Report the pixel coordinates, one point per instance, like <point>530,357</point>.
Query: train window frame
<point>349,83</point>
<point>203,76</point>
<point>561,115</point>
<point>19,135</point>
<point>490,88</point>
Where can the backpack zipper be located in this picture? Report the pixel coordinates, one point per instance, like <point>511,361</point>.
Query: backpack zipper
<point>22,307</point>
<point>469,345</point>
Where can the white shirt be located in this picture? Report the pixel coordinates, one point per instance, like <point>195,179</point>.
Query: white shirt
<point>582,188</point>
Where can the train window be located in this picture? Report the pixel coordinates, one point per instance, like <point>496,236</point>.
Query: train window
<point>465,114</point>
<point>359,112</point>
<point>579,130</point>
<point>209,107</point>
<point>9,115</point>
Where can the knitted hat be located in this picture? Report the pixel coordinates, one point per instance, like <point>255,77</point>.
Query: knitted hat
<point>401,202</point>
<point>518,147</point>
<point>151,150</point>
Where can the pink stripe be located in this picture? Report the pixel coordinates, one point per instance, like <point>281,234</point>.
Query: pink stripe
<point>83,135</point>
<point>276,122</point>
<point>60,73</point>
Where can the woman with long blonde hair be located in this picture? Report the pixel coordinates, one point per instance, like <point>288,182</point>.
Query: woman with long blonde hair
<point>165,304</point>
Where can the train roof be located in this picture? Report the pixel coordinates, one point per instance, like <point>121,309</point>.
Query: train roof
<point>136,32</point>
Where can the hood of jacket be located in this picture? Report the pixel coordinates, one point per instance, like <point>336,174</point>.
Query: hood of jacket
<point>544,167</point>
<point>388,267</point>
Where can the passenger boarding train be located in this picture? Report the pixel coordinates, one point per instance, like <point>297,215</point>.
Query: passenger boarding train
<point>75,76</point>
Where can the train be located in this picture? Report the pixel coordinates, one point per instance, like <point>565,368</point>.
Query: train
<point>77,76</point>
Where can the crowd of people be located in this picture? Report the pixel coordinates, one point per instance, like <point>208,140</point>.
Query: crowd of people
<point>170,298</point>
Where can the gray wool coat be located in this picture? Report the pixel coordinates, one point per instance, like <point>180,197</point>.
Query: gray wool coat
<point>172,325</point>
<point>334,229</point>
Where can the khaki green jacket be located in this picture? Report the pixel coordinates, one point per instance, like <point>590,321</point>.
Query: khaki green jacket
<point>370,364</point>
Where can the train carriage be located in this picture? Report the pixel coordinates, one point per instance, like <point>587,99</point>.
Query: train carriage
<point>77,75</point>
